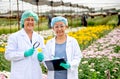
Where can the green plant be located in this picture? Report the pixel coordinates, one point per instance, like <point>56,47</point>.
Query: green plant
<point>116,49</point>
<point>96,68</point>
<point>4,64</point>
<point>100,20</point>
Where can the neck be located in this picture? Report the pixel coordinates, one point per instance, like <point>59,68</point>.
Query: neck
<point>61,39</point>
<point>29,33</point>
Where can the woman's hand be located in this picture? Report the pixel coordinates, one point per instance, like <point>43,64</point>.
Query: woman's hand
<point>29,52</point>
<point>65,65</point>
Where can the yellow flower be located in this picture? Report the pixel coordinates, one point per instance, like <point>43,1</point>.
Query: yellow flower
<point>39,50</point>
<point>2,50</point>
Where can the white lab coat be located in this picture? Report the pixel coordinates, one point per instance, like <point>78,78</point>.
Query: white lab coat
<point>23,67</point>
<point>73,53</point>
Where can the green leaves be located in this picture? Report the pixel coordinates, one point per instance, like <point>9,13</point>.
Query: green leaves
<point>4,64</point>
<point>96,68</point>
<point>117,49</point>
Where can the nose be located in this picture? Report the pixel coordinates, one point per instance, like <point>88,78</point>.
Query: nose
<point>59,28</point>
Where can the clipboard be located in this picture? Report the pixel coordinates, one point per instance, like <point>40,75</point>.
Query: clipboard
<point>54,65</point>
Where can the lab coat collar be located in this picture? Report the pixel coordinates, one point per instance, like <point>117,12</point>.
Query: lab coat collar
<point>68,41</point>
<point>25,36</point>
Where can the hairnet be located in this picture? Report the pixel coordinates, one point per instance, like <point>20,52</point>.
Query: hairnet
<point>27,14</point>
<point>59,19</point>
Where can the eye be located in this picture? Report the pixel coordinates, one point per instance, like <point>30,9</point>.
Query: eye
<point>56,26</point>
<point>61,26</point>
<point>28,19</point>
<point>32,19</point>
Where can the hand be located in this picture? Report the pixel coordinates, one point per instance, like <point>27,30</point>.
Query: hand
<point>40,56</point>
<point>65,65</point>
<point>29,52</point>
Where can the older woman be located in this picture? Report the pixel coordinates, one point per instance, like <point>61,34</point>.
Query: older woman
<point>63,46</point>
<point>20,51</point>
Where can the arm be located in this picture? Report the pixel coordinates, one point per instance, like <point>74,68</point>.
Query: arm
<point>11,53</point>
<point>77,55</point>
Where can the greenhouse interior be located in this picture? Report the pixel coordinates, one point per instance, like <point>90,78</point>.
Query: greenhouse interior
<point>95,24</point>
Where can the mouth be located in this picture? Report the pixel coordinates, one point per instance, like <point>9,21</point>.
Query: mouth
<point>30,27</point>
<point>59,31</point>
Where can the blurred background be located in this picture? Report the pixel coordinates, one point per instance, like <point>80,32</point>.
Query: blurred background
<point>94,23</point>
<point>74,10</point>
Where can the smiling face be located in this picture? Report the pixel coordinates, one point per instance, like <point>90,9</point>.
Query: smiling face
<point>29,24</point>
<point>59,28</point>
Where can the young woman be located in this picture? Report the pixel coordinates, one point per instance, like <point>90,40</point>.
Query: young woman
<point>63,46</point>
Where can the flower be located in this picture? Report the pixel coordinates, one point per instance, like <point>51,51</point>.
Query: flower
<point>92,70</point>
<point>2,76</point>
<point>39,50</point>
<point>80,70</point>
<point>44,76</point>
<point>84,62</point>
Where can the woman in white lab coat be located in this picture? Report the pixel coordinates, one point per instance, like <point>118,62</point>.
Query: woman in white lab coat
<point>25,59</point>
<point>63,46</point>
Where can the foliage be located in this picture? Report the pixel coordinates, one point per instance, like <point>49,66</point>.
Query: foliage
<point>100,20</point>
<point>89,68</point>
<point>6,30</point>
<point>4,64</point>
<point>90,34</point>
<point>8,21</point>
<point>74,22</point>
<point>97,68</point>
<point>42,26</point>
<point>116,49</point>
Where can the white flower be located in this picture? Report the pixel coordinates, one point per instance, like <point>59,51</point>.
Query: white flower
<point>80,70</point>
<point>89,66</point>
<point>84,62</point>
<point>98,72</point>
<point>92,70</point>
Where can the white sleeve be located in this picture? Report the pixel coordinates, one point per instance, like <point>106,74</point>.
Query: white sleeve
<point>47,51</point>
<point>77,55</point>
<point>11,53</point>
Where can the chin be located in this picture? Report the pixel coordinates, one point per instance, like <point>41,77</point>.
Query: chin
<point>30,29</point>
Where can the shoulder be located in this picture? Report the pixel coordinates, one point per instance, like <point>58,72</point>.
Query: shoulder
<point>13,35</point>
<point>38,35</point>
<point>50,41</point>
<point>71,38</point>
